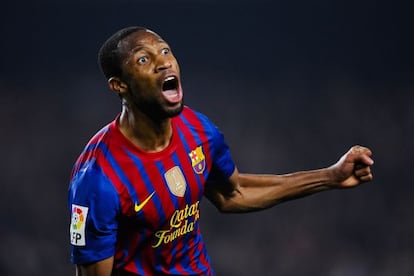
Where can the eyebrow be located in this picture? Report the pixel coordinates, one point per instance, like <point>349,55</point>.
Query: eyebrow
<point>139,47</point>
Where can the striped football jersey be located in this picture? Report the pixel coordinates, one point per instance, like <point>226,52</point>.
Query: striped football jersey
<point>141,207</point>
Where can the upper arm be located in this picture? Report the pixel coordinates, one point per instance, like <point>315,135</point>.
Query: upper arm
<point>94,206</point>
<point>100,268</point>
<point>248,192</point>
<point>221,191</point>
<point>222,181</point>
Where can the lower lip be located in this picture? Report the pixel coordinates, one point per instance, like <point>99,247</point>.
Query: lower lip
<point>173,96</point>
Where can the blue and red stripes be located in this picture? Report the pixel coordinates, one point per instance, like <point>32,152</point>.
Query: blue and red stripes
<point>137,176</point>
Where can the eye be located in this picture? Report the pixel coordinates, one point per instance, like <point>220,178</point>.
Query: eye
<point>165,51</point>
<point>142,60</point>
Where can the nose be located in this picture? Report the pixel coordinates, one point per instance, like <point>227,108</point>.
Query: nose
<point>163,63</point>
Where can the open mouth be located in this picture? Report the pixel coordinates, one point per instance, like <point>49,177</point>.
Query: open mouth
<point>170,83</point>
<point>171,89</point>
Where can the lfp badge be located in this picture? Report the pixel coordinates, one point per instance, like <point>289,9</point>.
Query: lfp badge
<point>198,160</point>
<point>77,226</point>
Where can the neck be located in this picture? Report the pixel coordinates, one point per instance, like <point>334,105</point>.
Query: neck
<point>145,132</point>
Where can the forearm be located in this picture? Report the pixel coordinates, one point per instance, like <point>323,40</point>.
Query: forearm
<point>251,192</point>
<point>256,192</point>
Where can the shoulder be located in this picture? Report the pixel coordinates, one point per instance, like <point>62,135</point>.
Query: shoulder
<point>196,120</point>
<point>90,187</point>
<point>90,178</point>
<point>90,184</point>
<point>103,136</point>
<point>96,148</point>
<point>200,126</point>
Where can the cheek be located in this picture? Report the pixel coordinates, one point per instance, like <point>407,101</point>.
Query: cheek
<point>176,65</point>
<point>145,89</point>
<point>139,80</point>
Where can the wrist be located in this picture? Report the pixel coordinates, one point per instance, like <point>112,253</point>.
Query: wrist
<point>332,176</point>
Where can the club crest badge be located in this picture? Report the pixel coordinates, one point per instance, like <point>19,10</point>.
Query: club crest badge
<point>198,160</point>
<point>176,181</point>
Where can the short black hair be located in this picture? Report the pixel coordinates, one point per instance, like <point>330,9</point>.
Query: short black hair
<point>109,57</point>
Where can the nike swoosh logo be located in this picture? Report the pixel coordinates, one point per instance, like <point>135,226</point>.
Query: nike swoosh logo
<point>140,206</point>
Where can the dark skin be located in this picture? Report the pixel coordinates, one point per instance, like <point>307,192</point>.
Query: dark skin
<point>147,61</point>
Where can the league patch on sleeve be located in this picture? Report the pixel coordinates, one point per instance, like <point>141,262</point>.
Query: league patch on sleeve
<point>77,225</point>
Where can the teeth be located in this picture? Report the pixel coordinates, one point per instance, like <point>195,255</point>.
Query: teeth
<point>169,79</point>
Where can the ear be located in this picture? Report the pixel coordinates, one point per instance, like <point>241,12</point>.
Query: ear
<point>117,85</point>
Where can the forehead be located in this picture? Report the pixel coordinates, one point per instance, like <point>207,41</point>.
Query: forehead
<point>139,39</point>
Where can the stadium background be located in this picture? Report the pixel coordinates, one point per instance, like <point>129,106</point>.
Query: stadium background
<point>292,84</point>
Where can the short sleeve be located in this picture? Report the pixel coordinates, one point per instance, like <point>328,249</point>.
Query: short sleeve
<point>223,163</point>
<point>94,206</point>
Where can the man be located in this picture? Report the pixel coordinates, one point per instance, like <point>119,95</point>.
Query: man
<point>135,189</point>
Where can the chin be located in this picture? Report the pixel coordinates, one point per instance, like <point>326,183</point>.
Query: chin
<point>175,111</point>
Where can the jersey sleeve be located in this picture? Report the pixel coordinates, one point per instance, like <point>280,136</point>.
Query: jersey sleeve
<point>223,164</point>
<point>94,206</point>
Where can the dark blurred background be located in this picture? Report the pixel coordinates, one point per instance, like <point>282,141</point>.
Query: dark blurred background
<point>292,84</point>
